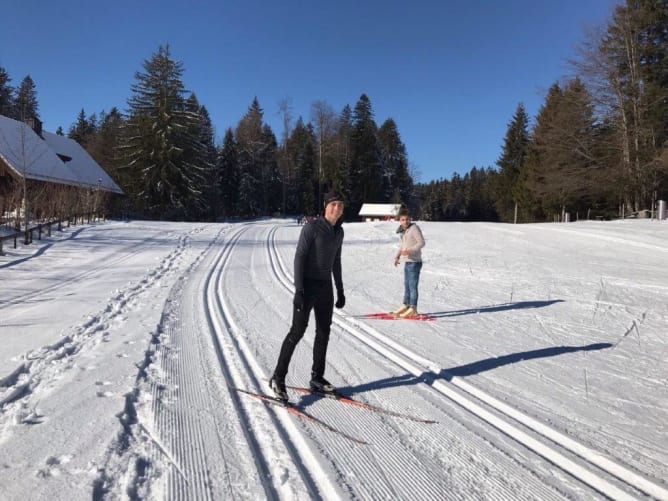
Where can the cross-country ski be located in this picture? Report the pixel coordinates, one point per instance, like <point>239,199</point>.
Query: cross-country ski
<point>390,316</point>
<point>296,411</point>
<point>356,403</point>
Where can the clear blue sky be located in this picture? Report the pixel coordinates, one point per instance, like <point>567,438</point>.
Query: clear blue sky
<point>450,73</point>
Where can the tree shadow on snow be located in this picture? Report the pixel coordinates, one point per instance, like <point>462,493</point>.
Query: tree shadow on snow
<point>520,305</point>
<point>470,369</point>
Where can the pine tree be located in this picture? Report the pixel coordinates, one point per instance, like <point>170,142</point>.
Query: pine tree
<point>250,146</point>
<point>270,176</point>
<point>160,142</point>
<point>83,129</point>
<point>515,148</point>
<point>561,160</point>
<point>203,155</point>
<point>478,193</point>
<point>7,107</point>
<point>259,178</point>
<point>260,181</point>
<point>103,146</point>
<point>366,168</point>
<point>227,167</point>
<point>26,100</point>
<point>340,179</point>
<point>398,184</point>
<point>306,167</point>
<point>303,193</point>
<point>285,110</point>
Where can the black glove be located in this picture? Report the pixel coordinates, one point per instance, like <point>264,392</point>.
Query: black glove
<point>298,300</point>
<point>340,299</point>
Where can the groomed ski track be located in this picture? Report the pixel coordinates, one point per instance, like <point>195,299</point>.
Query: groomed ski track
<point>480,448</point>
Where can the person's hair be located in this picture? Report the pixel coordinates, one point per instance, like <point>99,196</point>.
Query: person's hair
<point>403,211</point>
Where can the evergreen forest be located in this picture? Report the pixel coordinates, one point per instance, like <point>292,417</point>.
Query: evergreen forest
<point>597,148</point>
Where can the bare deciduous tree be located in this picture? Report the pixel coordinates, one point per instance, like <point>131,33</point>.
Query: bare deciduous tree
<point>324,120</point>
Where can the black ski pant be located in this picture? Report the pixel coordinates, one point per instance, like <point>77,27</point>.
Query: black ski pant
<point>319,297</point>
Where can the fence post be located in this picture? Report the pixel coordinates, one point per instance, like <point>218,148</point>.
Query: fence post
<point>39,231</point>
<point>1,252</point>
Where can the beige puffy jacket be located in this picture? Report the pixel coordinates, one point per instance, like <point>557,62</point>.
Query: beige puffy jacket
<point>412,241</point>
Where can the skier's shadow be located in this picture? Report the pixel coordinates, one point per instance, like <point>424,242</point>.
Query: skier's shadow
<point>519,305</point>
<point>487,364</point>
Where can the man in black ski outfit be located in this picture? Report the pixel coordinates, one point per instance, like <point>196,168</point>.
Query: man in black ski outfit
<point>317,258</point>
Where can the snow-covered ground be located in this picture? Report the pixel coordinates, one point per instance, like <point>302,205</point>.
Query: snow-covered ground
<point>545,369</point>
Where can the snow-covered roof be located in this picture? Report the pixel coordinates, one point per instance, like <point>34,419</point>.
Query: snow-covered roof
<point>379,209</point>
<point>88,171</point>
<point>27,154</point>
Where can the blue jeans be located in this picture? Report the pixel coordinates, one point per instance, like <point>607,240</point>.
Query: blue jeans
<point>411,279</point>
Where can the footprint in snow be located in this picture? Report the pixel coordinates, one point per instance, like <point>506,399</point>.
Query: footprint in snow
<point>52,464</point>
<point>33,418</point>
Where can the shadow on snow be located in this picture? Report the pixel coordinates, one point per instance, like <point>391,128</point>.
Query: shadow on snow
<point>521,305</point>
<point>470,369</point>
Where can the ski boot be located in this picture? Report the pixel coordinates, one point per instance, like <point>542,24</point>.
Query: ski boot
<point>409,313</point>
<point>399,310</point>
<point>278,387</point>
<point>320,385</point>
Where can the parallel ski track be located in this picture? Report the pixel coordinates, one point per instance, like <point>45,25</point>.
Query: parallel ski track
<point>240,369</point>
<point>186,434</point>
<point>475,400</point>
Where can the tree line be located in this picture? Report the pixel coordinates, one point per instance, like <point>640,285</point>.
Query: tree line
<point>162,152</point>
<point>597,147</point>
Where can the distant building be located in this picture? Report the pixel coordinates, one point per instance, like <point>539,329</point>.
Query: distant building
<point>45,157</point>
<point>379,212</point>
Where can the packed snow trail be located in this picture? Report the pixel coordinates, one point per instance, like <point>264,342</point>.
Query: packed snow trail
<point>405,358</point>
<point>545,376</point>
<point>378,475</point>
<point>462,456</point>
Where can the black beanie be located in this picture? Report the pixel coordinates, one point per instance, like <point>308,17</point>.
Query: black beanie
<point>332,196</point>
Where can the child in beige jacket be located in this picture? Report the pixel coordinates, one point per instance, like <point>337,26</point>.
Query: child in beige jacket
<point>412,242</point>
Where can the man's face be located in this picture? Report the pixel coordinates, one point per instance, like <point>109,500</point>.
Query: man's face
<point>404,221</point>
<point>334,210</point>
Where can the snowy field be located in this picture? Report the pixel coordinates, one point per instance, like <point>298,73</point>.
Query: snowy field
<point>545,368</point>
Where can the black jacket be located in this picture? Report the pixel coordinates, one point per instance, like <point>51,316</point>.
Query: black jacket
<point>318,254</point>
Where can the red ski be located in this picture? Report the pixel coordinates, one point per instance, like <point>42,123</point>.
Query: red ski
<point>390,316</point>
<point>351,401</point>
<point>292,409</point>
